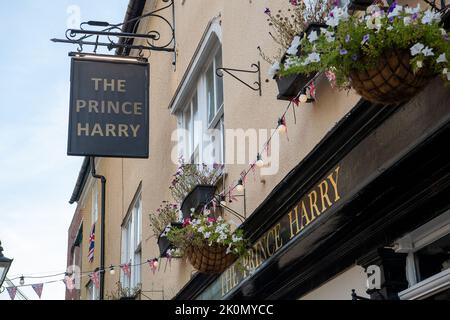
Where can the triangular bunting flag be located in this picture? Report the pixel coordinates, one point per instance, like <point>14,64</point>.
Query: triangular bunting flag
<point>38,288</point>
<point>12,292</point>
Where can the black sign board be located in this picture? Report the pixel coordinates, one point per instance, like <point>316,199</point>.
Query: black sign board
<point>109,114</point>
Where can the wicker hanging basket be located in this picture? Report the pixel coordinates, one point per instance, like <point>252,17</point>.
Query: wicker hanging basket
<point>210,259</point>
<point>392,80</point>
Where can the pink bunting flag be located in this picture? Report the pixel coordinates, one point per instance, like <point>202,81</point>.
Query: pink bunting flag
<point>38,288</point>
<point>95,279</point>
<point>69,281</point>
<point>312,90</point>
<point>153,263</point>
<point>12,292</point>
<point>126,269</point>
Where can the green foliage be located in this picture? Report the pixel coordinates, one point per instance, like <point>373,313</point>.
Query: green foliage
<point>352,43</point>
<point>163,217</point>
<point>189,175</point>
<point>202,230</point>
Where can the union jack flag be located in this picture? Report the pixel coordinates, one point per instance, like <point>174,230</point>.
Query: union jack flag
<point>91,244</point>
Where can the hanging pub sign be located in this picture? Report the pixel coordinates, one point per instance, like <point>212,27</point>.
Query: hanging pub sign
<point>109,114</point>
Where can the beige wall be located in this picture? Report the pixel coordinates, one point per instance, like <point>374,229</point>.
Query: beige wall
<point>244,28</point>
<point>340,287</point>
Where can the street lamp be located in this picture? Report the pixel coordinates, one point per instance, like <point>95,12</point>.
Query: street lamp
<point>5,263</point>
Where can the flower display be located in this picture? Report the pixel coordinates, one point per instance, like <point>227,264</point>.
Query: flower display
<point>354,43</point>
<point>208,231</point>
<point>189,175</point>
<point>288,26</point>
<point>161,220</point>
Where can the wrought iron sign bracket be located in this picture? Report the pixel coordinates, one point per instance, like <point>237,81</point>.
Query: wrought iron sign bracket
<point>256,85</point>
<point>112,36</point>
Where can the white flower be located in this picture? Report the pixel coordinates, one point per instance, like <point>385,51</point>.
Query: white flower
<point>192,209</point>
<point>395,12</point>
<point>373,9</point>
<point>419,64</point>
<point>416,49</point>
<point>329,35</point>
<point>428,52</point>
<point>235,238</point>
<point>206,212</point>
<point>430,16</point>
<point>219,218</point>
<point>290,61</point>
<point>443,32</point>
<point>273,70</point>
<point>410,10</point>
<point>406,21</point>
<point>195,222</point>
<point>441,58</point>
<point>313,36</point>
<point>207,235</point>
<point>389,28</point>
<point>229,249</point>
<point>294,46</point>
<point>336,15</point>
<point>201,229</point>
<point>314,57</point>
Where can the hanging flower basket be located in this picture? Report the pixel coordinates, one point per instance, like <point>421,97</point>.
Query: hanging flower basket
<point>200,196</point>
<point>210,259</point>
<point>164,243</point>
<point>211,245</point>
<point>392,80</point>
<point>387,55</point>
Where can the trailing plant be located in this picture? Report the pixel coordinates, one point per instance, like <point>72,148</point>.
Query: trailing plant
<point>287,24</point>
<point>208,231</point>
<point>123,292</point>
<point>163,217</point>
<point>189,175</point>
<point>352,43</point>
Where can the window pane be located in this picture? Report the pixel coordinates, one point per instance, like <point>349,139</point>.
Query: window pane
<point>197,124</point>
<point>434,258</point>
<point>187,127</point>
<point>219,81</point>
<point>210,98</point>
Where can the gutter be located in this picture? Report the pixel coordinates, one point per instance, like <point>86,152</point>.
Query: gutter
<point>81,181</point>
<point>134,10</point>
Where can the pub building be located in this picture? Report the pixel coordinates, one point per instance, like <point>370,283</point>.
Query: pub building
<point>359,205</point>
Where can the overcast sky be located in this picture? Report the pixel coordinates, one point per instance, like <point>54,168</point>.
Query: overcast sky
<point>37,177</point>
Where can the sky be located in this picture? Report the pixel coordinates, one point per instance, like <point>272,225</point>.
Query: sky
<point>36,175</point>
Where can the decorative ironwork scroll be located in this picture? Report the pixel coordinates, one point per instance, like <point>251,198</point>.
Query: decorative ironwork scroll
<point>113,37</point>
<point>256,66</point>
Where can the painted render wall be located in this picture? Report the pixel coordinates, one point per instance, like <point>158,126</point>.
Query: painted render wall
<point>244,28</point>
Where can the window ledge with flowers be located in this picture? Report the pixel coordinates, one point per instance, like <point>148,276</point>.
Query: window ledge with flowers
<point>210,243</point>
<point>386,56</point>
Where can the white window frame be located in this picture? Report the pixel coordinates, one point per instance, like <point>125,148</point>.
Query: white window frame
<point>94,201</point>
<point>413,242</point>
<point>132,252</point>
<point>93,293</point>
<point>194,82</point>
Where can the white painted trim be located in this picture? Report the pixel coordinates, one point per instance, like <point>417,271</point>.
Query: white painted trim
<point>209,41</point>
<point>427,287</point>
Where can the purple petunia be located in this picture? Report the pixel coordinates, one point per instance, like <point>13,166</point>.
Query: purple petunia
<point>414,16</point>
<point>267,11</point>
<point>347,38</point>
<point>343,52</point>
<point>392,6</point>
<point>365,38</point>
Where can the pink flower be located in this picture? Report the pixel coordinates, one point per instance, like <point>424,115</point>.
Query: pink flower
<point>186,222</point>
<point>211,219</point>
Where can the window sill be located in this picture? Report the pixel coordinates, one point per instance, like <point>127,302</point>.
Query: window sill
<point>427,287</point>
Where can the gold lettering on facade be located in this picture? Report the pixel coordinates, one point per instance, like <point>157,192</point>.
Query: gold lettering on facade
<point>323,187</point>
<point>334,183</point>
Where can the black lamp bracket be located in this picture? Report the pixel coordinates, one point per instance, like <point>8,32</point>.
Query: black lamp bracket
<point>257,69</point>
<point>112,37</point>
